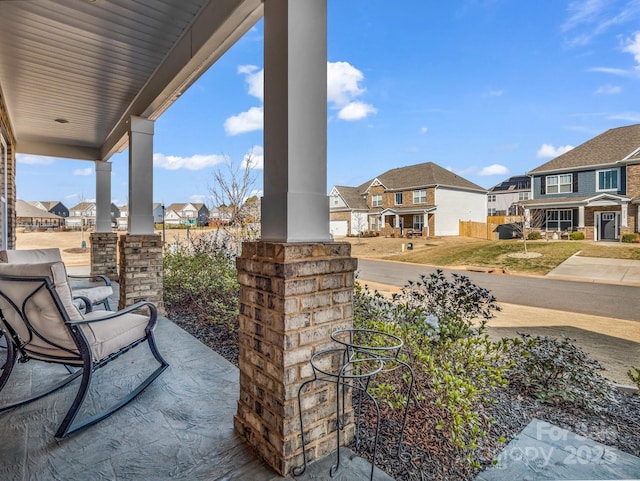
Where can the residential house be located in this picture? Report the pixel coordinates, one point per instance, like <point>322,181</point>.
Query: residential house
<point>349,212</point>
<point>84,214</point>
<point>123,220</point>
<point>503,198</point>
<point>192,213</point>
<point>593,188</point>
<point>54,207</point>
<point>423,199</point>
<point>32,216</point>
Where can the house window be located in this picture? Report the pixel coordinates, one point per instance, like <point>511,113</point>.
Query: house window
<point>559,184</point>
<point>492,211</point>
<point>398,198</point>
<point>491,197</point>
<point>335,200</point>
<point>607,179</point>
<point>420,196</point>
<point>376,200</point>
<point>418,222</point>
<point>559,220</point>
<point>372,223</point>
<point>523,195</point>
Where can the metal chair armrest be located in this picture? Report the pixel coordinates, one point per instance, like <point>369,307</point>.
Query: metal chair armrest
<point>105,279</point>
<point>88,306</point>
<point>112,315</point>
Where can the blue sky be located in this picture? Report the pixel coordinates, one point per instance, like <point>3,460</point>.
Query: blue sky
<point>485,88</point>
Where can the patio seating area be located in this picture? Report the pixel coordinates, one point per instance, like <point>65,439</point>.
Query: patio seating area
<point>180,427</point>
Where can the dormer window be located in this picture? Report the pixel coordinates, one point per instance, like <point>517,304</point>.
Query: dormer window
<point>376,200</point>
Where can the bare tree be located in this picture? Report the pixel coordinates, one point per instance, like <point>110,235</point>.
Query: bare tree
<point>532,219</point>
<point>233,194</point>
<point>232,185</point>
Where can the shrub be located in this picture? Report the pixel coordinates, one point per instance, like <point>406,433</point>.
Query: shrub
<point>534,235</point>
<point>634,375</point>
<point>578,235</point>
<point>554,370</point>
<point>200,274</point>
<point>629,237</point>
<point>456,366</point>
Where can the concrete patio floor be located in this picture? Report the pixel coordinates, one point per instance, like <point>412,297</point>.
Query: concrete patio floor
<point>179,428</point>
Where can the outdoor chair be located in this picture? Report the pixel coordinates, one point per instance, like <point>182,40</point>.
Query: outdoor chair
<point>39,321</point>
<point>98,295</point>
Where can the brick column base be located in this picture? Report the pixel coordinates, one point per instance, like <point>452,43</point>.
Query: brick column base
<point>104,250</point>
<point>292,296</point>
<point>141,270</point>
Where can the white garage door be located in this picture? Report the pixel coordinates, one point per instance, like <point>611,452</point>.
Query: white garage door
<point>338,228</point>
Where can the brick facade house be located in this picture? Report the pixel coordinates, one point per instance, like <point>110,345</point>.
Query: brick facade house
<point>422,199</point>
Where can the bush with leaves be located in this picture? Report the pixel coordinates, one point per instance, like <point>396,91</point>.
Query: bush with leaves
<point>456,365</point>
<point>634,375</point>
<point>200,274</point>
<point>555,370</point>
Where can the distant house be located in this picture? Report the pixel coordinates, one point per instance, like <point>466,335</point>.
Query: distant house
<point>29,215</point>
<point>593,188</point>
<point>423,199</point>
<point>192,213</point>
<point>502,199</point>
<point>52,206</point>
<point>84,213</point>
<point>123,220</point>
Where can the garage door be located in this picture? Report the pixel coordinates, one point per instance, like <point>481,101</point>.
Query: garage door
<point>338,228</point>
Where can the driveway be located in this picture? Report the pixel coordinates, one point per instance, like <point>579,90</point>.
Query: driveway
<point>597,269</point>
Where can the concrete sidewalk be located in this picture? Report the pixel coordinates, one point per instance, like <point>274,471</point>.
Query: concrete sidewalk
<point>597,269</point>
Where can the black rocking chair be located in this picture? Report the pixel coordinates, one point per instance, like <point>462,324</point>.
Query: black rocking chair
<point>39,321</point>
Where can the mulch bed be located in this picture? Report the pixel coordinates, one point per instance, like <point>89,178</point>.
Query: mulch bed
<point>429,455</point>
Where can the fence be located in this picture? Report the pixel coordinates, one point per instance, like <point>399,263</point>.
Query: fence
<point>478,230</point>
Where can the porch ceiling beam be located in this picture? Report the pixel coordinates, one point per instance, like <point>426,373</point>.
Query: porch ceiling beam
<point>51,149</point>
<point>216,29</point>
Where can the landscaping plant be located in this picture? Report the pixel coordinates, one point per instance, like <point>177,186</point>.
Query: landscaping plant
<point>555,370</point>
<point>634,375</point>
<point>200,277</point>
<point>442,321</point>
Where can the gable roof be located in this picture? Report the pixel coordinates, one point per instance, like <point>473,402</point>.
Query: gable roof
<point>25,209</point>
<point>610,147</point>
<point>516,183</point>
<point>352,197</point>
<point>47,204</point>
<point>422,175</point>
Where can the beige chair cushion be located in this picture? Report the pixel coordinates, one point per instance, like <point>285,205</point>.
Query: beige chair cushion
<point>94,294</point>
<point>104,337</point>
<point>31,256</point>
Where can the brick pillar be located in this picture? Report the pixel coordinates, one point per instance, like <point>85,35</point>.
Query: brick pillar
<point>140,270</point>
<point>104,249</point>
<point>292,296</point>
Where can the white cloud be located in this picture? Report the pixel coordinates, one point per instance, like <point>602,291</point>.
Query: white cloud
<point>590,18</point>
<point>548,150</point>
<point>423,130</point>
<point>494,169</point>
<point>609,89</point>
<point>356,111</point>
<point>627,116</point>
<point>83,172</point>
<point>257,158</point>
<point>34,159</point>
<point>244,122</point>
<point>195,162</point>
<point>198,198</point>
<point>633,47</point>
<point>343,87</point>
<point>343,81</point>
<point>613,71</point>
<point>495,93</point>
<point>255,80</point>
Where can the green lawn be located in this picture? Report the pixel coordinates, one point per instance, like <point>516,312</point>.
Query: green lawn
<point>495,254</point>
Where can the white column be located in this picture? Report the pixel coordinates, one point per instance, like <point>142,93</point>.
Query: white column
<point>140,176</point>
<point>295,206</point>
<point>581,216</point>
<point>103,196</point>
<point>624,215</point>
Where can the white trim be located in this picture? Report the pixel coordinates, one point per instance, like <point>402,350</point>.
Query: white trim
<point>4,225</point>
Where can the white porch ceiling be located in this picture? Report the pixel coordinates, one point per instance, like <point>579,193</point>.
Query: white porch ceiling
<point>96,63</point>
